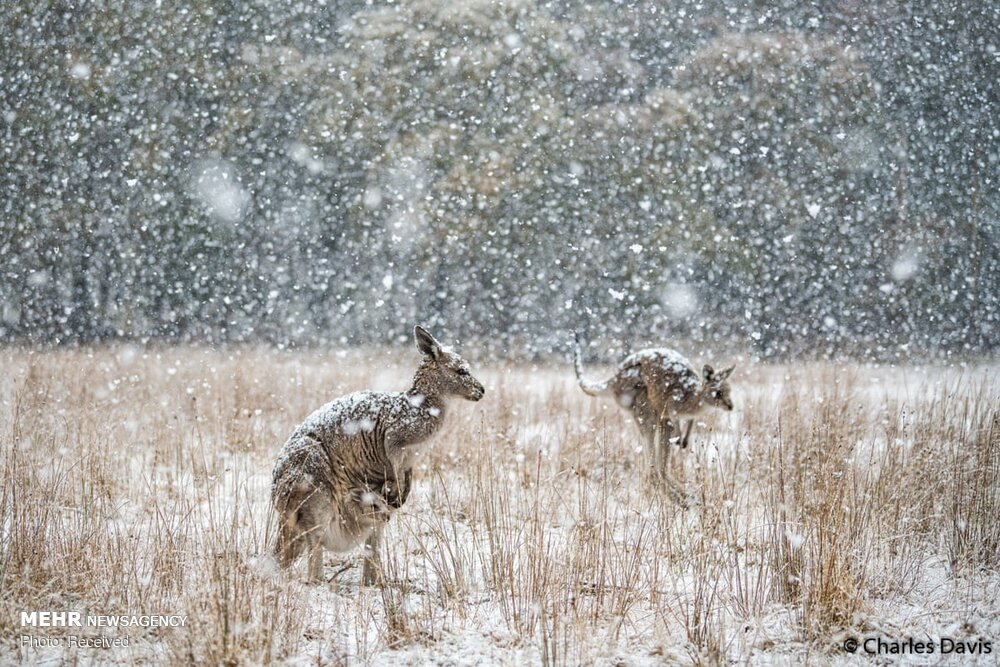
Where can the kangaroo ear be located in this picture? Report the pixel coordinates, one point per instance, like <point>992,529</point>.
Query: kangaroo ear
<point>426,342</point>
<point>708,372</point>
<point>725,373</point>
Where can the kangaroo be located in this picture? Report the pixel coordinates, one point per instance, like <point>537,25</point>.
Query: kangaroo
<point>660,387</point>
<point>348,466</point>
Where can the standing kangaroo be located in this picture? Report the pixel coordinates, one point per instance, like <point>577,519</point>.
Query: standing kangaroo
<point>660,387</point>
<point>345,469</point>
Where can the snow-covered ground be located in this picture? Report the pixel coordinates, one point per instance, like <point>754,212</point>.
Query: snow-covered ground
<point>836,502</point>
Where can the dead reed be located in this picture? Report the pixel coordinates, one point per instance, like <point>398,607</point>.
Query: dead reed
<point>135,481</point>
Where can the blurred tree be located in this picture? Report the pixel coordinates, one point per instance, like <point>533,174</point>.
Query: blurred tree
<point>800,177</point>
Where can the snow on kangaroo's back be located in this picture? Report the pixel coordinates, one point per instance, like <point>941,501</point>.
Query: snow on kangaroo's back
<point>348,466</point>
<point>659,386</point>
<point>671,383</point>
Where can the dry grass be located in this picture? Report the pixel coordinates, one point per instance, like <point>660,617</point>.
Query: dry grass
<point>836,499</point>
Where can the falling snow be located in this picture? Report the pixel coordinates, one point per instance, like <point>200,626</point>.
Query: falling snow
<point>719,173</point>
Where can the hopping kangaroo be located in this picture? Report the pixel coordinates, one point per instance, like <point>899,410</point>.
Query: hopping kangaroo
<point>660,387</point>
<point>345,469</point>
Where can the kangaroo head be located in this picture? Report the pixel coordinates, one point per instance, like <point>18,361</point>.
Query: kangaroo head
<point>367,509</point>
<point>715,389</point>
<point>442,371</point>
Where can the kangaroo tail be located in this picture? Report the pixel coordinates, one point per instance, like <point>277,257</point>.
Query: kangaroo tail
<point>588,387</point>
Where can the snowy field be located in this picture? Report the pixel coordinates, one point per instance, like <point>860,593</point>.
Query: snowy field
<point>836,502</point>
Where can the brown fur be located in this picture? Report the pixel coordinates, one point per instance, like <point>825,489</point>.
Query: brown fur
<point>348,466</point>
<point>659,387</point>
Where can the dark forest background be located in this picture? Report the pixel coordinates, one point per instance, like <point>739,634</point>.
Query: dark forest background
<point>793,178</point>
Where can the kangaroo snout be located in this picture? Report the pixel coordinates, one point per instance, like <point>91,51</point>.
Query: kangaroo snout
<point>478,393</point>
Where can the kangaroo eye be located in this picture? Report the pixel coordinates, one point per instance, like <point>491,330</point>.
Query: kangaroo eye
<point>462,371</point>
